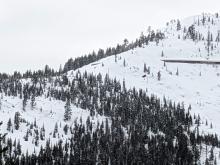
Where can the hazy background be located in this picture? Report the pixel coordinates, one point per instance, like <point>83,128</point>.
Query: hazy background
<point>38,32</point>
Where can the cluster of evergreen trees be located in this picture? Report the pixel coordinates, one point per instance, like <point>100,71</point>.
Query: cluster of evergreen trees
<point>138,128</point>
<point>87,59</point>
<point>120,48</point>
<point>46,72</point>
<point>191,33</point>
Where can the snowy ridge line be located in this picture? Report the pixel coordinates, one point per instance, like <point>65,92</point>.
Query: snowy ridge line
<point>190,61</point>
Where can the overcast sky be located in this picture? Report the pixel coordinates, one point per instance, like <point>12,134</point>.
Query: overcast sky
<point>38,32</point>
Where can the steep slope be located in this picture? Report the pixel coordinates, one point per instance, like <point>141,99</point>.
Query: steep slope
<point>194,84</point>
<point>39,116</point>
<point>45,115</point>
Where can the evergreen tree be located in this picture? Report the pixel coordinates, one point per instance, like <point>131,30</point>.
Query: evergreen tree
<point>17,120</point>
<point>42,133</point>
<point>2,149</point>
<point>192,33</point>
<point>65,129</point>
<point>55,130</point>
<point>18,148</point>
<point>24,101</point>
<point>26,136</point>
<point>159,76</point>
<point>177,72</point>
<point>36,140</point>
<point>145,68</point>
<point>115,58</point>
<point>209,39</point>
<point>33,103</point>
<point>203,19</point>
<point>124,63</point>
<point>9,125</point>
<point>211,157</point>
<point>68,111</point>
<point>178,26</point>
<point>162,54</point>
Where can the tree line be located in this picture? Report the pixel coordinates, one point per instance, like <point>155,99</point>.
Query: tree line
<point>138,128</point>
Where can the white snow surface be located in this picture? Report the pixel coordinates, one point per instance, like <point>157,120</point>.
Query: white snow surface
<point>197,85</point>
<point>47,112</point>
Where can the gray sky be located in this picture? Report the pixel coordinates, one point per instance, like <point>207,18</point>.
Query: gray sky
<point>38,32</point>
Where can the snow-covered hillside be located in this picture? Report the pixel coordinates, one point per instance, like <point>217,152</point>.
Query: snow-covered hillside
<point>197,85</point>
<point>45,115</point>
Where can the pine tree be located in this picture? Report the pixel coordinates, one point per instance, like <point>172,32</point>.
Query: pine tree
<point>17,120</point>
<point>65,129</point>
<point>145,68</point>
<point>215,161</point>
<point>69,65</point>
<point>9,125</point>
<point>178,26</point>
<point>36,140</point>
<point>68,111</point>
<point>19,148</point>
<point>209,39</point>
<point>159,76</point>
<point>162,54</point>
<point>55,130</point>
<point>124,63</point>
<point>211,156</point>
<point>60,69</point>
<point>192,33</point>
<point>148,70</point>
<point>26,136</point>
<point>24,102</point>
<point>42,133</point>
<point>203,19</point>
<point>33,101</point>
<point>177,72</point>
<point>2,137</point>
<point>35,123</point>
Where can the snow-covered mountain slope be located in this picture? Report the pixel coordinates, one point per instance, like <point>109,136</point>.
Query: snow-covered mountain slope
<point>197,85</point>
<point>46,114</point>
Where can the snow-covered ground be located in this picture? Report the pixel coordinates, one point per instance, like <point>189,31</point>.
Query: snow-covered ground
<point>47,113</point>
<point>197,85</point>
